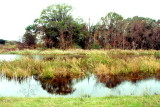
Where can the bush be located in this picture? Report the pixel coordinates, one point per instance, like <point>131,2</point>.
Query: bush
<point>2,41</point>
<point>96,46</point>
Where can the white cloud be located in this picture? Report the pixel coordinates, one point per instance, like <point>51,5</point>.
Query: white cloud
<point>15,15</point>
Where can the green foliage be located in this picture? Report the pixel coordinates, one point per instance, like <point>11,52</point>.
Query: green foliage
<point>111,19</point>
<point>29,39</point>
<point>2,41</point>
<point>56,15</point>
<point>30,28</point>
<point>59,29</point>
<point>96,46</point>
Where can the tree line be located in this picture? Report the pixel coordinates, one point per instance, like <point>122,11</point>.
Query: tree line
<point>56,28</point>
<point>2,42</point>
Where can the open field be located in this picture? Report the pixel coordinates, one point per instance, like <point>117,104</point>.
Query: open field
<point>125,101</point>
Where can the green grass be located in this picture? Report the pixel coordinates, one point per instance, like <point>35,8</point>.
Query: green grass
<point>122,101</point>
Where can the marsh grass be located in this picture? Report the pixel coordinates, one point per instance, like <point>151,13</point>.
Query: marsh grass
<point>7,48</point>
<point>130,65</point>
<point>99,62</point>
<point>83,52</point>
<point>44,69</point>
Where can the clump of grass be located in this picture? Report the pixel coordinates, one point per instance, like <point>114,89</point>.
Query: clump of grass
<point>63,68</point>
<point>150,64</point>
<point>20,68</point>
<point>130,65</point>
<point>44,69</point>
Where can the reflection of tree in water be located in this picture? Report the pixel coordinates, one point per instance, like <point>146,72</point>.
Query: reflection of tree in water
<point>58,85</point>
<point>109,81</point>
<point>112,81</point>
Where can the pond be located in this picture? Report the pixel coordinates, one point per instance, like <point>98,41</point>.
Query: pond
<point>92,85</point>
<point>88,86</point>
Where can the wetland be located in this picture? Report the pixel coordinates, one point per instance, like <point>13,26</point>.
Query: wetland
<point>96,73</point>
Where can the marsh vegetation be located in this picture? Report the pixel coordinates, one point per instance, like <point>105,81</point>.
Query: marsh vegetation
<point>58,52</point>
<point>78,63</point>
<point>58,70</point>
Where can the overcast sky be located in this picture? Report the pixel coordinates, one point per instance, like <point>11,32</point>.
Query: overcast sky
<point>15,15</point>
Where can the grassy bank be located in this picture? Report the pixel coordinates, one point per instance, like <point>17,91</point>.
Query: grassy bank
<point>79,63</point>
<point>73,67</point>
<point>80,52</point>
<point>7,48</point>
<point>124,101</point>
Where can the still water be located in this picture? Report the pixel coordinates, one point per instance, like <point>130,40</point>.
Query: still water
<point>89,86</point>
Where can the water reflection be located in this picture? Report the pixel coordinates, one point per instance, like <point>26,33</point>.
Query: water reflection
<point>25,88</point>
<point>61,86</point>
<point>91,86</point>
<point>112,81</point>
<point>109,81</point>
<point>142,87</point>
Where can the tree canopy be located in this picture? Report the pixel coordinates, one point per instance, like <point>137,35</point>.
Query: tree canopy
<point>56,27</point>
